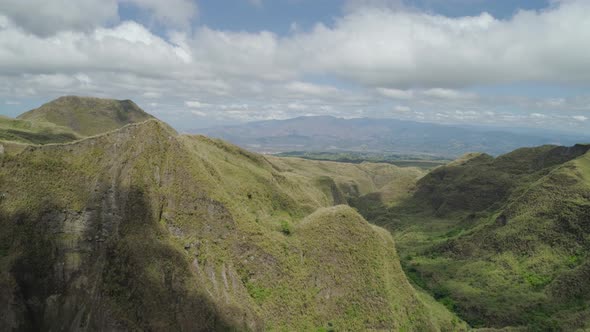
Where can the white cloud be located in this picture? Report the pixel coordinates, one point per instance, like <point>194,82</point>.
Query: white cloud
<point>297,106</point>
<point>44,18</point>
<point>448,94</point>
<point>126,48</point>
<point>402,109</point>
<point>195,104</point>
<point>537,116</point>
<point>407,48</point>
<point>198,113</point>
<point>396,93</point>
<point>374,47</point>
<point>378,53</point>
<point>551,103</point>
<point>310,89</point>
<point>152,94</point>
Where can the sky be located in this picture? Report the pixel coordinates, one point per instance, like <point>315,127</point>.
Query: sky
<point>200,63</point>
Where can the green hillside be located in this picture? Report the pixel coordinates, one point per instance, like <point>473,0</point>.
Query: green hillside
<point>34,132</point>
<point>87,116</point>
<point>143,229</point>
<point>501,241</point>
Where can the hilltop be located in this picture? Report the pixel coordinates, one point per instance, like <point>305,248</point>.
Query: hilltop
<point>87,116</point>
<point>140,228</point>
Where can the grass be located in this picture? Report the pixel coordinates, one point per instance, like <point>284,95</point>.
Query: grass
<point>87,116</point>
<point>24,131</point>
<point>420,161</point>
<point>169,232</point>
<point>502,242</point>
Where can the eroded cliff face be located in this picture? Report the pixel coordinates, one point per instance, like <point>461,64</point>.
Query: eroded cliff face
<point>141,229</point>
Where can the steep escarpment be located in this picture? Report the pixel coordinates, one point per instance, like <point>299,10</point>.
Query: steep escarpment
<point>142,229</point>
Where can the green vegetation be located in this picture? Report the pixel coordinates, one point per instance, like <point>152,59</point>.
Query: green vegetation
<point>126,225</point>
<point>286,228</point>
<point>402,160</point>
<point>87,116</point>
<point>501,241</point>
<point>143,229</point>
<point>24,131</point>
<point>67,119</point>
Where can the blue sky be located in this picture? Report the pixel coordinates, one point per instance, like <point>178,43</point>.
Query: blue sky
<point>277,15</point>
<point>202,63</point>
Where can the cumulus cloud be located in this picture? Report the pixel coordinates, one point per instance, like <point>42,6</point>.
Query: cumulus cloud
<point>310,89</point>
<point>396,93</point>
<point>448,94</point>
<point>198,113</point>
<point>402,109</point>
<point>127,48</point>
<point>44,18</point>
<point>538,116</point>
<point>383,47</point>
<point>378,54</point>
<point>371,46</point>
<point>195,104</point>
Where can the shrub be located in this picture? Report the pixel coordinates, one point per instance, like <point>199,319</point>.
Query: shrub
<point>286,227</point>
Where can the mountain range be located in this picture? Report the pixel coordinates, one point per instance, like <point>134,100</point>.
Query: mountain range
<point>331,134</point>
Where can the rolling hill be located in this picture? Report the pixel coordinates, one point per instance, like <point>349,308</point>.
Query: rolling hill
<point>140,228</point>
<point>330,134</point>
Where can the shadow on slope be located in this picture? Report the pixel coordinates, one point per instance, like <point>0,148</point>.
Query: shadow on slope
<point>108,267</point>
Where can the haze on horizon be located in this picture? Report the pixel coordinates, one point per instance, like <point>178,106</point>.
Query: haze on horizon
<point>195,64</point>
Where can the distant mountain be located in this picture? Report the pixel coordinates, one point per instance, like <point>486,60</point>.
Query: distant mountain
<point>326,133</point>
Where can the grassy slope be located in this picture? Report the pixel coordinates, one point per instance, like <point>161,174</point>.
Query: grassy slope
<point>386,182</point>
<point>142,229</point>
<point>34,132</point>
<point>503,241</point>
<point>87,116</point>
<point>421,161</point>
